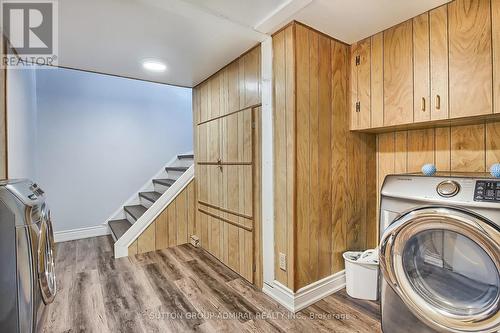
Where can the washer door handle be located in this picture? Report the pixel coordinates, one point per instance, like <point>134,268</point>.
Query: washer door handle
<point>385,258</point>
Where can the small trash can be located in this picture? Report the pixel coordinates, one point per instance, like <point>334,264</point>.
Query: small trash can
<point>361,270</point>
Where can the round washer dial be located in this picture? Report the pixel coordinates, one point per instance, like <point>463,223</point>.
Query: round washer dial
<point>448,188</point>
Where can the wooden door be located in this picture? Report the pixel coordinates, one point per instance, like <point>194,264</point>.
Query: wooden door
<point>421,68</point>
<point>360,85</point>
<point>470,58</point>
<point>225,189</point>
<point>438,28</point>
<point>398,75</point>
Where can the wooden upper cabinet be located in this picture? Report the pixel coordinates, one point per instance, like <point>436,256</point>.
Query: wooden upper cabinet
<point>495,15</point>
<point>398,74</point>
<point>204,100</point>
<point>438,28</point>
<point>250,77</point>
<point>421,68</point>
<point>232,87</point>
<point>360,85</point>
<point>470,58</point>
<point>377,80</point>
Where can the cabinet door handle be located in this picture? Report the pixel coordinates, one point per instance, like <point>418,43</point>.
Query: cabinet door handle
<point>422,105</point>
<point>438,102</point>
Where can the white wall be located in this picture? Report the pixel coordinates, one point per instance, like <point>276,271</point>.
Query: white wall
<point>100,138</point>
<point>21,123</point>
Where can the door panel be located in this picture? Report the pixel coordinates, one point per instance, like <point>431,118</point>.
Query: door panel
<point>361,85</point>
<point>438,24</point>
<point>249,75</point>
<point>237,137</point>
<point>470,58</point>
<point>421,71</point>
<point>398,75</point>
<point>377,80</point>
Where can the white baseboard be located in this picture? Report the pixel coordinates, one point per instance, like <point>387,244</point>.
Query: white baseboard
<point>80,233</point>
<point>310,294</point>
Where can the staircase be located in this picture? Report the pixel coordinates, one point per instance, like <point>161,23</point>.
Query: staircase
<point>141,207</point>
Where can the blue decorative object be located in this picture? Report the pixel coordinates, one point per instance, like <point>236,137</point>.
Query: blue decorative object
<point>429,169</point>
<point>495,170</point>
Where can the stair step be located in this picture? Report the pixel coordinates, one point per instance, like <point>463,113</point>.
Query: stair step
<point>164,182</point>
<point>119,227</point>
<point>180,169</point>
<point>135,211</point>
<point>185,156</point>
<point>151,196</point>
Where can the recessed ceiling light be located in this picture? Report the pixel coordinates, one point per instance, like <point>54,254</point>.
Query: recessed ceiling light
<point>154,65</point>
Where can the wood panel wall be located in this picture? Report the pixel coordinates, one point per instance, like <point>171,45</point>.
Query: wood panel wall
<point>174,225</point>
<point>324,175</point>
<point>227,110</point>
<point>471,148</point>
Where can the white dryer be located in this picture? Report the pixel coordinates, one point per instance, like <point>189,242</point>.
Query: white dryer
<point>440,253</point>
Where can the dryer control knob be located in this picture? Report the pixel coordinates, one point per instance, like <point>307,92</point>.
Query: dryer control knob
<point>448,188</point>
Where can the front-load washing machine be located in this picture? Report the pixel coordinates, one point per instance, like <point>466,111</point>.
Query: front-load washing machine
<point>440,253</point>
<point>27,278</point>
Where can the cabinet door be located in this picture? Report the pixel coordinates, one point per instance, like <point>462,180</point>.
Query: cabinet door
<point>495,15</point>
<point>249,76</point>
<point>377,80</point>
<point>438,27</point>
<point>360,85</point>
<point>421,72</point>
<point>398,75</point>
<point>232,87</point>
<point>470,58</point>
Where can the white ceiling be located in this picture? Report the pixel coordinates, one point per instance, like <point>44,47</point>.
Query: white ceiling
<point>353,20</point>
<point>195,38</point>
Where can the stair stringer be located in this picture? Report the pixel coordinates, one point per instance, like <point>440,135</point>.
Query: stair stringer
<point>122,244</point>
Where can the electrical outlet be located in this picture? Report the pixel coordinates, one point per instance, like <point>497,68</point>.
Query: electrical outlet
<point>195,241</point>
<point>283,261</point>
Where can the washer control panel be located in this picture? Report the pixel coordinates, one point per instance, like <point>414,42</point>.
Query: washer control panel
<point>488,191</point>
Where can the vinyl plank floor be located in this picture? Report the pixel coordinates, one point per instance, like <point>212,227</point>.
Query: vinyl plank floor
<point>180,289</point>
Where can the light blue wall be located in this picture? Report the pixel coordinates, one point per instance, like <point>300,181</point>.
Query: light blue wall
<point>100,138</point>
<point>21,122</point>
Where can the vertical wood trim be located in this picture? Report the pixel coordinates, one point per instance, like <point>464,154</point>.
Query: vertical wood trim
<point>338,144</point>
<point>377,80</point>
<point>443,148</point>
<point>324,230</point>
<point>438,30</point>
<point>495,26</point>
<point>303,157</point>
<point>421,68</point>
<point>492,144</point>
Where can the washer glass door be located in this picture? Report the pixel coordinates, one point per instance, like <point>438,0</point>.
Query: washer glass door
<point>452,272</point>
<point>444,263</point>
